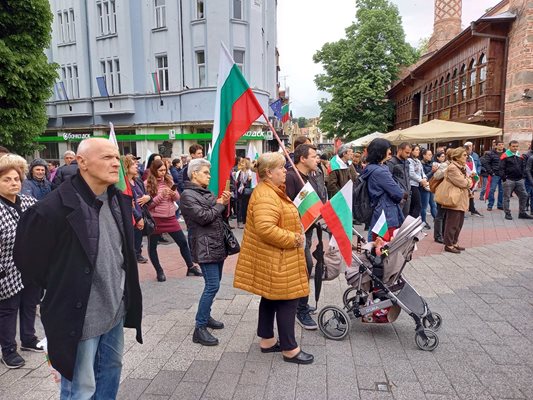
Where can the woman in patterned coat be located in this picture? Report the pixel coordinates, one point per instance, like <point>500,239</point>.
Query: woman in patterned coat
<point>15,298</point>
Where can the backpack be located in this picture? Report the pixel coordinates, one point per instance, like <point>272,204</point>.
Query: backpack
<point>361,205</point>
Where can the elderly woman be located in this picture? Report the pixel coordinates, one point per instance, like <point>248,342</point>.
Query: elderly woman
<point>15,298</point>
<point>203,214</point>
<point>385,193</point>
<point>455,214</point>
<point>272,260</point>
<point>161,188</point>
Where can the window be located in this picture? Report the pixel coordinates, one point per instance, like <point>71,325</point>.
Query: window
<point>448,91</point>
<point>425,109</point>
<point>111,72</point>
<point>482,74</point>
<point>237,9</point>
<point>66,27</point>
<point>69,74</point>
<point>61,27</point>
<point>200,62</point>
<point>472,80</point>
<point>430,97</point>
<point>72,29</point>
<point>200,9</point>
<point>462,80</point>
<point>160,14</point>
<point>162,72</point>
<point>442,91</point>
<point>455,86</point>
<point>107,17</point>
<point>238,57</point>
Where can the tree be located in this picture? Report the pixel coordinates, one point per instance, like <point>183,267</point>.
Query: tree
<point>26,77</point>
<point>359,70</point>
<point>302,122</point>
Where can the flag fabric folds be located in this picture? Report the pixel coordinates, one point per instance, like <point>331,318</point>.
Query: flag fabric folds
<point>123,185</point>
<point>102,86</point>
<point>236,108</point>
<point>276,108</point>
<point>285,114</point>
<point>509,153</point>
<point>155,81</point>
<point>308,204</point>
<point>336,163</point>
<point>251,152</point>
<point>337,213</point>
<point>381,228</point>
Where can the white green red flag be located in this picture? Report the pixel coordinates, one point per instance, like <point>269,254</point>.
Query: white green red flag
<point>337,213</point>
<point>123,185</point>
<point>251,152</point>
<point>336,163</point>
<point>308,204</point>
<point>285,113</point>
<point>381,228</point>
<point>236,108</point>
<point>155,81</point>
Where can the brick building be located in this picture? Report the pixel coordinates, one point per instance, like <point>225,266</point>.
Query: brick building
<point>482,74</point>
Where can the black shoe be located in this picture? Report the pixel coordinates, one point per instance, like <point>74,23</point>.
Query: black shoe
<point>524,216</point>
<point>300,358</point>
<point>214,324</point>
<point>32,346</point>
<point>142,260</point>
<point>306,322</point>
<point>508,216</point>
<point>439,240</point>
<point>194,271</point>
<point>204,337</point>
<point>274,349</point>
<point>427,226</point>
<point>500,208</point>
<point>161,276</point>
<point>452,250</point>
<point>13,360</point>
<point>476,213</point>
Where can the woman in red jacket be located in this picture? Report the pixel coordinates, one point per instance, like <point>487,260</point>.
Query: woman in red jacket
<point>161,188</point>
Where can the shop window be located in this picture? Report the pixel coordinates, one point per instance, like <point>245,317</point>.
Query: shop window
<point>50,152</point>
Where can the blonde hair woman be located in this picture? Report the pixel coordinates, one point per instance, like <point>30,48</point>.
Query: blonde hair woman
<point>271,263</point>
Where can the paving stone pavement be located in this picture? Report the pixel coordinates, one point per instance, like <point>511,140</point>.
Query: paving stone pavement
<point>485,296</point>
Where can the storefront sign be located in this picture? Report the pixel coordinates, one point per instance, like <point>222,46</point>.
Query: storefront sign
<point>75,136</point>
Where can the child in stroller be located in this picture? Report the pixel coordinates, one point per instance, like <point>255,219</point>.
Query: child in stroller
<point>378,291</point>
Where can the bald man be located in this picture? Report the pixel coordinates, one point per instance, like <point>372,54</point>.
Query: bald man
<point>82,253</point>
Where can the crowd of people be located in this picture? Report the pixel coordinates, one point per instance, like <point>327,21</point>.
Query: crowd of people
<point>87,236</point>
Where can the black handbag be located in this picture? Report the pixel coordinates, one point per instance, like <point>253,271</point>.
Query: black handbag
<point>230,241</point>
<point>149,222</point>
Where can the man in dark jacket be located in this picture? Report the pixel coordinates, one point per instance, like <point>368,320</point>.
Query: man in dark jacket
<point>82,253</point>
<point>37,185</point>
<point>399,168</point>
<point>491,163</point>
<point>511,172</point>
<point>339,177</point>
<point>68,169</point>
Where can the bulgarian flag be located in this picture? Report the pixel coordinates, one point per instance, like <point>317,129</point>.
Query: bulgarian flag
<point>509,153</point>
<point>336,163</point>
<point>123,185</point>
<point>285,114</point>
<point>251,152</point>
<point>337,213</point>
<point>155,81</point>
<point>308,204</point>
<point>381,228</point>
<point>236,108</point>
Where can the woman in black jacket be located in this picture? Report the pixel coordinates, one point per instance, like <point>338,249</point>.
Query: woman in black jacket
<point>203,214</point>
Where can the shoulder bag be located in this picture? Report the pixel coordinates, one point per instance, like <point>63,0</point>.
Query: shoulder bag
<point>230,241</point>
<point>149,222</point>
<point>448,195</point>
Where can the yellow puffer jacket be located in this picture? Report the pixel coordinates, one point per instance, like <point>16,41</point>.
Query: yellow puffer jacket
<point>269,264</point>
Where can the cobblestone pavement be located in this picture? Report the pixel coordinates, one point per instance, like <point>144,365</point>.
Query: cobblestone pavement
<point>485,296</point>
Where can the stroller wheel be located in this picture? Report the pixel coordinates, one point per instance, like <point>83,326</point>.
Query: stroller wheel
<point>346,298</point>
<point>334,322</point>
<point>435,325</point>
<point>427,343</point>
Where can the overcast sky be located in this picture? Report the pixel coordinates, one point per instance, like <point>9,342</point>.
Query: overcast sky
<point>305,25</point>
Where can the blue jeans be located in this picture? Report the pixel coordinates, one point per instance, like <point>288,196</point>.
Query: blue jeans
<point>98,367</point>
<point>212,276</point>
<point>496,182</point>
<point>483,188</point>
<point>427,199</point>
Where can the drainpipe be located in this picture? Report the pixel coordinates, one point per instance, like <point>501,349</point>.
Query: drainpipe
<point>506,58</point>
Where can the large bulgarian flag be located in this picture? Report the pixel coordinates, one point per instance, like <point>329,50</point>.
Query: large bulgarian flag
<point>236,108</point>
<point>337,213</point>
<point>308,204</point>
<point>285,113</point>
<point>336,163</point>
<point>123,185</point>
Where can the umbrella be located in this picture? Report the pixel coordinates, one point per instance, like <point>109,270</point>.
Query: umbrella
<point>318,254</point>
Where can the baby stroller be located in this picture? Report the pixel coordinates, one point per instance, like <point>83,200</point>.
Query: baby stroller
<point>378,291</point>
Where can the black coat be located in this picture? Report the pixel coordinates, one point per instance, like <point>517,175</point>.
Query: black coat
<point>491,162</point>
<point>64,172</point>
<point>512,168</point>
<point>203,216</point>
<point>56,248</point>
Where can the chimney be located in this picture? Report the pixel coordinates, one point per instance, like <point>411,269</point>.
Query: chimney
<point>447,23</point>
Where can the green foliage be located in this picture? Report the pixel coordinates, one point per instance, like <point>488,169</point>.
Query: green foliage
<point>359,70</point>
<point>26,77</point>
<point>302,122</point>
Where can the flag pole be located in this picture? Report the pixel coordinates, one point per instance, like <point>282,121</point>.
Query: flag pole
<point>282,146</point>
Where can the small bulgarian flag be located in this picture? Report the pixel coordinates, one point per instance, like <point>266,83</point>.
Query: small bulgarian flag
<point>236,108</point>
<point>308,204</point>
<point>123,185</point>
<point>155,80</point>
<point>509,153</point>
<point>381,228</point>
<point>337,213</point>
<point>251,152</point>
<point>285,114</point>
<point>336,163</point>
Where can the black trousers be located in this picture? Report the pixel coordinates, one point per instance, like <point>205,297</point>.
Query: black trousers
<point>303,303</point>
<point>284,311</point>
<point>452,226</point>
<point>242,207</point>
<point>24,303</point>
<point>416,203</point>
<point>181,241</point>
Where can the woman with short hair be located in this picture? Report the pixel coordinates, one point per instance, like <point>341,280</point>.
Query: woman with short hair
<point>272,263</point>
<point>203,214</point>
<point>16,298</point>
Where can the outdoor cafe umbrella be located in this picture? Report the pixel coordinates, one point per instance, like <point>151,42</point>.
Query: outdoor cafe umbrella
<point>365,140</point>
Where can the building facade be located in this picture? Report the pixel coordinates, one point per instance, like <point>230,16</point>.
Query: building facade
<point>150,67</point>
<point>481,75</point>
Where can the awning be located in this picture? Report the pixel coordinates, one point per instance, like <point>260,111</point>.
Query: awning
<point>365,140</point>
<point>438,130</point>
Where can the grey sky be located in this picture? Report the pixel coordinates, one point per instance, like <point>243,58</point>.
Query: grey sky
<point>305,25</point>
